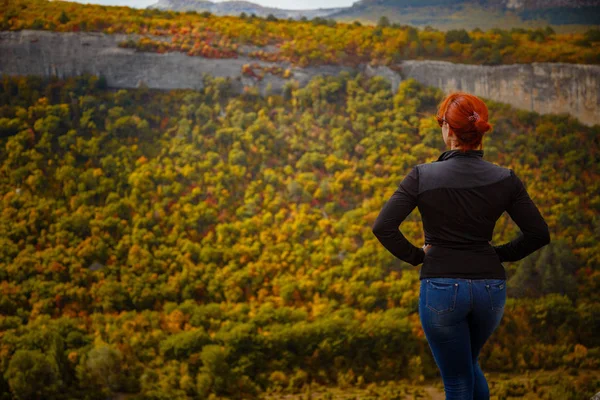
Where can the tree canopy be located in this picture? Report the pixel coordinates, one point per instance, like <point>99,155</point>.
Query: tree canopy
<point>179,243</point>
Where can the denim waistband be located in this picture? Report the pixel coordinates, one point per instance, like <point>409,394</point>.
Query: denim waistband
<point>444,278</point>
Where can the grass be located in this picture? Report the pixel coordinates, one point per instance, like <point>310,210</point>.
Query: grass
<point>556,384</point>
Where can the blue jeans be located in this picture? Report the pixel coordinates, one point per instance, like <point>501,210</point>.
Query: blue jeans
<point>458,316</point>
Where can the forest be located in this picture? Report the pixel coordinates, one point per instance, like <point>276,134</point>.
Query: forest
<point>209,244</point>
<point>301,42</point>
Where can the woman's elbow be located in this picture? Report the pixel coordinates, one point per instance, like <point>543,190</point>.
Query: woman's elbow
<point>546,237</point>
<point>379,228</point>
<point>376,229</point>
<point>543,237</point>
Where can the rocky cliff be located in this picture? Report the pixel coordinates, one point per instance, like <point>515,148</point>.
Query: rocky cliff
<point>541,87</point>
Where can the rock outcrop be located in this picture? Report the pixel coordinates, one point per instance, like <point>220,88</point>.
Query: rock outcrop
<point>540,87</point>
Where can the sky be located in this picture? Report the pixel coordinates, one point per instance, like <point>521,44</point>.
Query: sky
<point>286,4</point>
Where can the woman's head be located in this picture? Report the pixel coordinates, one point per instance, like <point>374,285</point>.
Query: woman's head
<point>464,119</point>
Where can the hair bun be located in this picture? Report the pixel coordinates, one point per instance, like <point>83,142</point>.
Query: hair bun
<point>482,126</point>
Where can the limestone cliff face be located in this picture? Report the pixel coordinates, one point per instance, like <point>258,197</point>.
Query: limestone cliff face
<point>541,87</point>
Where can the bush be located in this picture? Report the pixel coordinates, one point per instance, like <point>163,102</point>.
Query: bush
<point>458,35</point>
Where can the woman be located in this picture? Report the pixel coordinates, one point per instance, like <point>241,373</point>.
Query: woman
<point>463,283</point>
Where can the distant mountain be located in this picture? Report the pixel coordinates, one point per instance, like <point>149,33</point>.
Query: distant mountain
<point>440,14</point>
<point>476,13</point>
<point>238,7</point>
<point>501,4</point>
<point>469,14</point>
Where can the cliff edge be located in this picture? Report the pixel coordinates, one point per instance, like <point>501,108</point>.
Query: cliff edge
<point>540,87</point>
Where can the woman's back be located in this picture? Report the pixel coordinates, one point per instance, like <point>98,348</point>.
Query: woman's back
<point>460,197</point>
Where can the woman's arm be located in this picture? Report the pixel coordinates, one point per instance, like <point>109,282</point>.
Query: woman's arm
<point>534,229</point>
<point>395,210</point>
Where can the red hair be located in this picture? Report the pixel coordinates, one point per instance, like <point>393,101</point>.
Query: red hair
<point>467,118</point>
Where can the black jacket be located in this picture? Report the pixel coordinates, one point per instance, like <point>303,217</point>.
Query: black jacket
<point>460,197</point>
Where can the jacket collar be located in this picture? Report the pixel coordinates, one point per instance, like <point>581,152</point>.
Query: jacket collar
<point>457,153</point>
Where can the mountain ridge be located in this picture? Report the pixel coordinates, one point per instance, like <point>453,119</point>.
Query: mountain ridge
<point>236,7</point>
<point>442,14</point>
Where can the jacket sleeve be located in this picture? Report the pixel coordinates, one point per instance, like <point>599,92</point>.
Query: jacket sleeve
<point>395,210</point>
<point>534,229</point>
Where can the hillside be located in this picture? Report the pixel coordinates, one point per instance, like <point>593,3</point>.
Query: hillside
<point>301,43</point>
<point>238,7</point>
<point>188,200</point>
<point>172,244</point>
<point>564,16</point>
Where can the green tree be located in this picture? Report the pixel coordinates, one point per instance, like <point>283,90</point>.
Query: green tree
<point>103,365</point>
<point>33,375</point>
<point>458,35</point>
<point>215,373</point>
<point>63,18</point>
<point>550,270</point>
<point>383,22</point>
